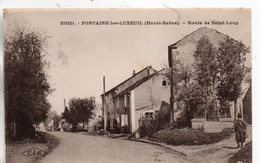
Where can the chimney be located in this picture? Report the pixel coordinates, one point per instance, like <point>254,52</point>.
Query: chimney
<point>149,70</point>
<point>133,73</point>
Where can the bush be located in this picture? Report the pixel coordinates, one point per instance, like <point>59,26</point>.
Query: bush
<point>147,130</point>
<point>150,129</point>
<point>189,136</point>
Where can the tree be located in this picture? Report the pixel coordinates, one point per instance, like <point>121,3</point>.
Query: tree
<point>215,76</point>
<point>186,89</point>
<point>206,70</point>
<point>80,111</point>
<point>231,57</point>
<point>26,84</point>
<point>65,114</point>
<point>50,117</point>
<point>53,116</point>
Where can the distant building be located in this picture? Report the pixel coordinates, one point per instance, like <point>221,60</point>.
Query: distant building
<point>137,97</point>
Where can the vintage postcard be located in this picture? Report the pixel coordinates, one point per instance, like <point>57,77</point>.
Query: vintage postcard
<point>128,85</point>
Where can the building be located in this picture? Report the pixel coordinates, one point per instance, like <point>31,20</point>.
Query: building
<point>183,50</point>
<point>246,108</point>
<point>135,98</point>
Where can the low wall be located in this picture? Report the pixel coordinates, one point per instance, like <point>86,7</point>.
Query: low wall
<point>211,126</point>
<point>197,123</point>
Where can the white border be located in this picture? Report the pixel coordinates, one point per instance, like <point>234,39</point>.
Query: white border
<point>254,4</point>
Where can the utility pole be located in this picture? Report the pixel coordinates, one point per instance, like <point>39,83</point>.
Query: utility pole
<point>170,58</point>
<point>104,105</point>
<point>172,98</point>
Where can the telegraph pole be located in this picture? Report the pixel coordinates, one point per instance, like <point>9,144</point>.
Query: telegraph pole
<point>104,105</point>
<point>170,58</point>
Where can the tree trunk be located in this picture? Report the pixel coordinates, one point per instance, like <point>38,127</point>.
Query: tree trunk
<point>206,117</point>
<point>235,110</point>
<point>215,103</point>
<point>188,114</point>
<point>14,128</point>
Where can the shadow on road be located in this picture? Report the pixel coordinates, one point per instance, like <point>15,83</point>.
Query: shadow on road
<point>228,147</point>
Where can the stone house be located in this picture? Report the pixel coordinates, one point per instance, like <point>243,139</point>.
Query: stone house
<point>182,51</point>
<point>136,98</point>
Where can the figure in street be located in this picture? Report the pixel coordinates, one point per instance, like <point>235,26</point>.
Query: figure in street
<point>240,130</point>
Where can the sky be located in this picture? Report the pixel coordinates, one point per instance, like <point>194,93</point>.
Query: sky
<point>80,55</point>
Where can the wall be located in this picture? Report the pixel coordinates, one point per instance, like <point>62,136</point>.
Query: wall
<point>149,95</point>
<point>184,49</point>
<point>247,105</point>
<point>110,106</point>
<point>187,46</point>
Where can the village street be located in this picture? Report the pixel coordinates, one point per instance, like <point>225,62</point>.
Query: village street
<point>79,148</point>
<point>86,148</point>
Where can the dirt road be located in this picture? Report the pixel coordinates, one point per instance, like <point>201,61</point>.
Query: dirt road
<point>84,148</point>
<point>78,148</point>
<point>213,153</point>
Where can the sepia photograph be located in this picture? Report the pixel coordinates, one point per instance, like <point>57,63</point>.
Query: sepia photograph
<point>128,85</point>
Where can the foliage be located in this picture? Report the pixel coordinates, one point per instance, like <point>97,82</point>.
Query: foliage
<point>190,136</point>
<point>52,116</point>
<point>206,64</point>
<point>162,116</point>
<point>26,84</point>
<point>147,130</point>
<point>186,89</point>
<point>66,114</point>
<point>243,155</point>
<point>206,67</point>
<point>154,127</point>
<point>14,148</point>
<point>80,111</point>
<point>230,57</point>
<point>216,74</point>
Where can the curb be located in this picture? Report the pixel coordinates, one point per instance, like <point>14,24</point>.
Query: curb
<point>158,144</point>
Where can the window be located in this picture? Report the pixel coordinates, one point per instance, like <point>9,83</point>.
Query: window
<point>175,52</point>
<point>148,115</point>
<point>125,100</point>
<point>175,55</point>
<point>164,83</point>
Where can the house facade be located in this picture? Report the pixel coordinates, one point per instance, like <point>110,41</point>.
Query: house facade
<point>183,50</point>
<point>139,99</point>
<point>247,106</point>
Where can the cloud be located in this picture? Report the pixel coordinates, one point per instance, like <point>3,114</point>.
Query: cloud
<point>62,58</point>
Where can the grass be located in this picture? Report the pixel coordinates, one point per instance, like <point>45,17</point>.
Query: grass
<point>188,136</point>
<point>14,149</point>
<point>243,155</point>
<point>52,142</point>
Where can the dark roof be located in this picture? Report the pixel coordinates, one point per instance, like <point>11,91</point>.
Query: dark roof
<point>136,84</point>
<point>127,79</point>
<point>201,30</point>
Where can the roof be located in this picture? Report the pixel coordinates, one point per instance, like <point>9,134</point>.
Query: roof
<point>214,36</point>
<point>137,84</point>
<point>146,68</point>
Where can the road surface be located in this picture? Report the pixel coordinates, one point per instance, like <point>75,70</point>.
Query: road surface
<point>77,148</point>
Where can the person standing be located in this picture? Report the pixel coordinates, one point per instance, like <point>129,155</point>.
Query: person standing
<point>240,130</point>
